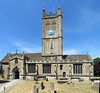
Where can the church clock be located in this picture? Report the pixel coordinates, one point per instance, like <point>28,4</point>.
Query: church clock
<point>50,32</point>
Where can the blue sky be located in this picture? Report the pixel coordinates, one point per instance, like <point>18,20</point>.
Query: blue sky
<point>21,26</point>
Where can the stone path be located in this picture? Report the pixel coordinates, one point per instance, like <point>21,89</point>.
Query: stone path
<point>9,84</point>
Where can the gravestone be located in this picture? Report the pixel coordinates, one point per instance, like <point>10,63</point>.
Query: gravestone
<point>42,86</point>
<point>35,89</point>
<point>71,83</point>
<point>96,86</point>
<point>4,90</point>
<point>46,79</point>
<point>52,87</point>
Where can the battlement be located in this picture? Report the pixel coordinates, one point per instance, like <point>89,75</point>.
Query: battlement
<point>58,61</point>
<point>51,14</point>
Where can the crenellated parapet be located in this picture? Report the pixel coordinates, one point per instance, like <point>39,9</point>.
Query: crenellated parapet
<point>58,61</point>
<point>51,14</point>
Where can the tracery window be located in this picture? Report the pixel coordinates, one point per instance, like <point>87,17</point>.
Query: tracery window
<point>53,22</point>
<point>47,23</point>
<point>31,68</point>
<point>46,68</point>
<point>77,69</point>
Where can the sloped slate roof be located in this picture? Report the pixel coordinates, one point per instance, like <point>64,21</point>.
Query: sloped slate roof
<point>38,56</point>
<point>28,56</point>
<point>77,57</point>
<point>33,56</point>
<point>5,59</point>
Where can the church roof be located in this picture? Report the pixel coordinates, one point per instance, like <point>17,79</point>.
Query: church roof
<point>5,59</point>
<point>77,57</point>
<point>33,56</point>
<point>38,56</point>
<point>28,56</point>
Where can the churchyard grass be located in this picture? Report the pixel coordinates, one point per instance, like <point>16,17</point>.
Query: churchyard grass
<point>2,78</point>
<point>27,87</point>
<point>96,77</point>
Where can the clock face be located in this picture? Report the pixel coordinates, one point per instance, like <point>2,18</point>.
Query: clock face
<point>50,32</point>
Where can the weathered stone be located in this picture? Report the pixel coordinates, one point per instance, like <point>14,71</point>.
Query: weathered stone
<point>4,90</point>
<point>35,89</point>
<point>46,79</point>
<point>62,81</point>
<point>96,86</point>
<point>63,78</point>
<point>71,83</point>
<point>81,79</point>
<point>52,87</point>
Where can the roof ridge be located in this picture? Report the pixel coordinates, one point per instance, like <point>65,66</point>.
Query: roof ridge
<point>75,55</point>
<point>25,53</point>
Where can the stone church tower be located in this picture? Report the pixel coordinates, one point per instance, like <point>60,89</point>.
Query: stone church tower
<point>52,38</point>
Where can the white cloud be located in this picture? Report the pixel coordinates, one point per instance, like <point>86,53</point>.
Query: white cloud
<point>27,47</point>
<point>19,44</point>
<point>71,51</point>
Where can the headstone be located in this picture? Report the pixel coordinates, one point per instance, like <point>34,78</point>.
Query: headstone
<point>81,79</point>
<point>4,90</point>
<point>42,86</point>
<point>96,86</point>
<point>46,79</point>
<point>52,87</point>
<point>71,83</point>
<point>35,89</point>
<point>55,91</point>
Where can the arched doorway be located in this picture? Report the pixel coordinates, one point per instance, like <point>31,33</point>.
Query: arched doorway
<point>64,74</point>
<point>16,74</point>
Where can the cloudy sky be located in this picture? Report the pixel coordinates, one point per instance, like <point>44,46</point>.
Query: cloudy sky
<point>21,26</point>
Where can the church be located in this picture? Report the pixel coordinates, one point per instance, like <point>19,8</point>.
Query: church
<point>51,64</point>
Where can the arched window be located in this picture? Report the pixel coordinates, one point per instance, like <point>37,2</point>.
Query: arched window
<point>16,61</point>
<point>53,22</point>
<point>47,23</point>
<point>64,74</point>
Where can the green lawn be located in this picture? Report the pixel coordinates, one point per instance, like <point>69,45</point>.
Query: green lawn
<point>96,77</point>
<point>27,87</point>
<point>2,78</point>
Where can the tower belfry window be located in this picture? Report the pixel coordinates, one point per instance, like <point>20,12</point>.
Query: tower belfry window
<point>53,22</point>
<point>47,23</point>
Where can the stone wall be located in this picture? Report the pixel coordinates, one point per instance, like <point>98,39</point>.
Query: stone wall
<point>5,70</point>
